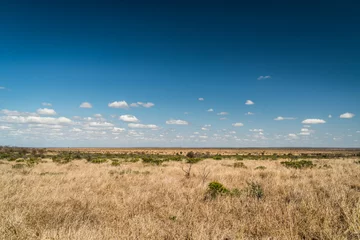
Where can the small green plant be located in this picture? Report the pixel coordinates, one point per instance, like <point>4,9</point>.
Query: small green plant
<point>260,168</point>
<point>326,166</point>
<point>254,190</point>
<point>298,164</point>
<point>215,189</point>
<point>115,163</point>
<point>239,165</point>
<point>217,157</point>
<point>98,160</point>
<point>18,166</point>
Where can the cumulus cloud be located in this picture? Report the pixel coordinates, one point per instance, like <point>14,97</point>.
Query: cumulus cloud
<point>100,124</point>
<point>119,104</point>
<point>46,104</point>
<point>256,130</point>
<point>210,110</point>
<point>138,125</point>
<point>98,115</point>
<point>46,111</point>
<point>330,116</point>
<point>145,105</point>
<point>116,129</point>
<point>313,121</point>
<point>4,128</point>
<point>304,133</point>
<point>292,135</point>
<point>204,129</point>
<point>305,130</point>
<point>347,115</point>
<point>86,105</point>
<point>201,99</point>
<point>177,122</point>
<point>35,119</point>
<point>223,113</point>
<point>76,130</point>
<point>249,113</point>
<point>128,118</point>
<point>249,102</point>
<point>238,124</point>
<point>263,77</point>
<point>283,118</point>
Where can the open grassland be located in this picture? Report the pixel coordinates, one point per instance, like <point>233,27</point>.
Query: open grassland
<point>198,195</point>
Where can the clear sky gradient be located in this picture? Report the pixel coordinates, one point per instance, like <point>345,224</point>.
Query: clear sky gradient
<point>151,70</point>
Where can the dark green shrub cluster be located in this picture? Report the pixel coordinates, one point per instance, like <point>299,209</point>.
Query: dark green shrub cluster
<point>239,165</point>
<point>298,164</point>
<point>215,189</point>
<point>254,190</point>
<point>260,168</point>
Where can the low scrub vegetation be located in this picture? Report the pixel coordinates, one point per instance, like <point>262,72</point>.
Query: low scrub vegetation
<point>298,164</point>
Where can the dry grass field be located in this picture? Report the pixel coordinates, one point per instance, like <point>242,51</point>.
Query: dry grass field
<point>139,200</point>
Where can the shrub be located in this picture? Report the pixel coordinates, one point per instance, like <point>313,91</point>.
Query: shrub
<point>298,164</point>
<point>260,168</point>
<point>217,157</point>
<point>215,189</point>
<point>254,190</point>
<point>357,162</point>
<point>115,163</point>
<point>190,154</point>
<point>18,166</point>
<point>239,165</point>
<point>98,160</point>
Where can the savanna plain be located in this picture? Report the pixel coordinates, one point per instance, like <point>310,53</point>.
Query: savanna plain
<point>100,193</point>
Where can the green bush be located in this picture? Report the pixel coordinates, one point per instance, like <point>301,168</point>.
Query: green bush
<point>298,164</point>
<point>215,189</point>
<point>239,165</point>
<point>254,190</point>
<point>260,168</point>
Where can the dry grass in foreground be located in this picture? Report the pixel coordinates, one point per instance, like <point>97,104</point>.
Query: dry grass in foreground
<point>135,200</point>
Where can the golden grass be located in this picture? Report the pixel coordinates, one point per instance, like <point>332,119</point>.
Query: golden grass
<point>82,200</point>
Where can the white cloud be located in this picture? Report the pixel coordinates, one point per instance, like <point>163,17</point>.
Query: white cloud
<point>284,118</point>
<point>201,99</point>
<point>98,115</point>
<point>2,88</point>
<point>292,135</point>
<point>223,113</point>
<point>249,113</point>
<point>46,111</point>
<point>313,121</point>
<point>145,105</point>
<point>46,104</point>
<point>116,129</point>
<point>263,77</point>
<point>305,130</point>
<point>304,133</point>
<point>4,127</point>
<point>347,115</point>
<point>204,129</point>
<point>10,112</point>
<point>35,119</point>
<point>134,105</point>
<point>203,137</point>
<point>210,110</point>
<point>86,105</point>
<point>256,130</point>
<point>249,102</point>
<point>330,116</point>
<point>148,105</point>
<point>76,130</point>
<point>238,124</point>
<point>138,125</point>
<point>119,104</point>
<point>128,118</point>
<point>177,122</point>
<point>100,124</point>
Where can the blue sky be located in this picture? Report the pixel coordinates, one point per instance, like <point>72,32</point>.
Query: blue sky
<point>143,67</point>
